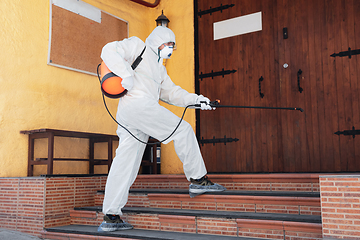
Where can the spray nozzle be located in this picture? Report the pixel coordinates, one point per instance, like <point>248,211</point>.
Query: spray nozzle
<point>213,103</point>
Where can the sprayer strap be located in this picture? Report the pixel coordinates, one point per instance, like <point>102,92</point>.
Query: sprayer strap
<point>138,60</point>
<point>142,51</point>
<point>108,75</point>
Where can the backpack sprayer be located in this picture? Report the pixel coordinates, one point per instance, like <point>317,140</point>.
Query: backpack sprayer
<point>112,88</point>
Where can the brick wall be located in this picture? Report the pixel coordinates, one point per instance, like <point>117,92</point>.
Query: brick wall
<point>22,204</point>
<point>65,193</point>
<point>177,223</point>
<point>340,205</point>
<point>217,226</point>
<point>29,204</point>
<point>278,229</point>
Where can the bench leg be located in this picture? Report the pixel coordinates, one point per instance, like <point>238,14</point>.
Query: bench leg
<point>30,156</point>
<point>154,166</point>
<point>50,153</point>
<point>110,153</point>
<point>91,155</point>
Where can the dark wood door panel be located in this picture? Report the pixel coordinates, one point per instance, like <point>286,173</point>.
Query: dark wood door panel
<point>275,140</point>
<point>247,55</point>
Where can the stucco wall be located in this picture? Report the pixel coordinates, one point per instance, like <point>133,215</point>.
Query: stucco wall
<point>35,95</point>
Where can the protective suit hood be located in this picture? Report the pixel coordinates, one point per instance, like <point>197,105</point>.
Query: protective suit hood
<point>159,36</point>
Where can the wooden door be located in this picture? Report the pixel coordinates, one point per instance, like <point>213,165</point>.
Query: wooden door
<point>230,69</point>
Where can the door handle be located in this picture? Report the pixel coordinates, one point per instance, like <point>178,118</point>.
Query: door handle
<point>260,80</point>
<point>298,80</point>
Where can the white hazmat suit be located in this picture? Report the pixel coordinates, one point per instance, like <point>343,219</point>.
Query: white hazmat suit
<point>139,111</point>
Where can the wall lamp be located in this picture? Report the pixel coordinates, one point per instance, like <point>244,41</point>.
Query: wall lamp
<point>162,20</point>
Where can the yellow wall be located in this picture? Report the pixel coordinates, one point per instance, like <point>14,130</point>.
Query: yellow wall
<point>35,95</point>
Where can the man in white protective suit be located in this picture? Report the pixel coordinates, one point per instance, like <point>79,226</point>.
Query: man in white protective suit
<point>140,112</point>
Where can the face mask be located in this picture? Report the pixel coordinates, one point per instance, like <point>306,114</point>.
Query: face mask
<point>166,52</point>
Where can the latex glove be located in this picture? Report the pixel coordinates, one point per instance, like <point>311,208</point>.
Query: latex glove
<point>128,83</point>
<point>204,106</point>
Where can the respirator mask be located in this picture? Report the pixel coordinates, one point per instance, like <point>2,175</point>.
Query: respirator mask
<point>166,52</point>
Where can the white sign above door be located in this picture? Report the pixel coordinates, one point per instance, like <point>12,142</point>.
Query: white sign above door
<point>238,26</point>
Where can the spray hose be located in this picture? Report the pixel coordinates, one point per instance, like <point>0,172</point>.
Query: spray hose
<point>154,143</point>
<point>213,104</point>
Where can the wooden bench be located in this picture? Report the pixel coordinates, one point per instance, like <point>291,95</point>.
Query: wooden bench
<point>93,138</point>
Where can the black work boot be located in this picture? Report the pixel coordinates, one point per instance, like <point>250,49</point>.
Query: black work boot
<point>202,185</point>
<point>113,223</point>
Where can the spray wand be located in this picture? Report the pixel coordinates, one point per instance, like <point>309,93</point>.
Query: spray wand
<point>216,104</point>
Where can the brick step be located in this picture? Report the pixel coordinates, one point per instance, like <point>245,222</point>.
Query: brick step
<point>245,182</point>
<point>261,225</point>
<point>85,232</point>
<point>300,203</point>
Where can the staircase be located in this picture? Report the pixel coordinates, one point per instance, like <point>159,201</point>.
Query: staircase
<point>261,206</point>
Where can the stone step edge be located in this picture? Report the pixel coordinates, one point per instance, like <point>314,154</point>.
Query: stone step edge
<point>48,234</point>
<point>233,178</point>
<point>92,213</point>
<point>231,198</point>
<point>81,231</point>
<point>227,192</point>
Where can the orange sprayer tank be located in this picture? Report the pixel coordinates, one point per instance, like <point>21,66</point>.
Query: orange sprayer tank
<point>111,83</point>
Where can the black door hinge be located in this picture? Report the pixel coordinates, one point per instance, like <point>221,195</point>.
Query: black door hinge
<point>211,10</point>
<point>215,74</point>
<point>348,53</point>
<point>217,140</point>
<point>352,132</point>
